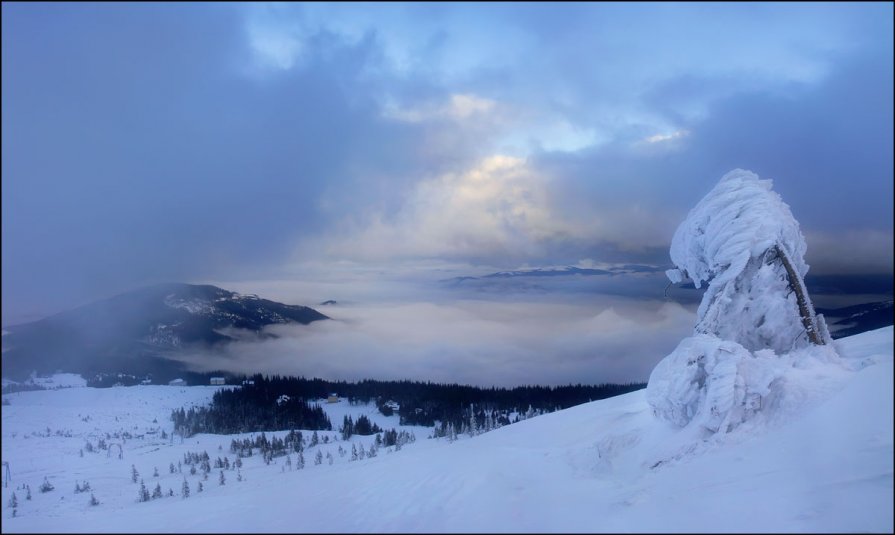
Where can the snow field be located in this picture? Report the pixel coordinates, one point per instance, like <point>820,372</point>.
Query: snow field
<point>821,462</point>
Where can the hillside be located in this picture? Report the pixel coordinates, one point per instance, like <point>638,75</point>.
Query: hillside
<point>137,332</point>
<point>820,462</point>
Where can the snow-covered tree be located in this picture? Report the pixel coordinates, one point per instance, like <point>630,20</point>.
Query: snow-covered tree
<point>134,474</point>
<point>185,489</point>
<point>744,242</point>
<point>473,426</point>
<point>157,491</point>
<point>143,494</point>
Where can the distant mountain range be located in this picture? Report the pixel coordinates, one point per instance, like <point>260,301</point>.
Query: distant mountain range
<point>565,271</point>
<point>138,332</point>
<point>857,319</point>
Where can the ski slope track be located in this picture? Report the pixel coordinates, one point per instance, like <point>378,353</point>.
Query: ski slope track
<point>821,461</point>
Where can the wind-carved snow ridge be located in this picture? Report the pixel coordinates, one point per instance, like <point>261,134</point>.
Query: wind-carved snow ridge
<point>755,315</point>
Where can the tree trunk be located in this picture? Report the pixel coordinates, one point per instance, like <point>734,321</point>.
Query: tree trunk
<point>798,287</point>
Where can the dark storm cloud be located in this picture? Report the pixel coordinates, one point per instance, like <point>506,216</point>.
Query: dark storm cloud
<point>153,142</point>
<point>136,149</point>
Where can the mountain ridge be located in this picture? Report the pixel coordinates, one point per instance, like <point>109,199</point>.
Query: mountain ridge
<point>132,331</point>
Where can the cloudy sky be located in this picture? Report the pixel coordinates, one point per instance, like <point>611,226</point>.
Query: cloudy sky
<point>248,143</point>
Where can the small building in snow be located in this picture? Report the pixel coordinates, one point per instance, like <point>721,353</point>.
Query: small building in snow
<point>333,398</point>
<point>218,381</point>
<point>177,382</point>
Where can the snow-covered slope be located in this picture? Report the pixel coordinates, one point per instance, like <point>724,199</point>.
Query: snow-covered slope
<point>823,462</point>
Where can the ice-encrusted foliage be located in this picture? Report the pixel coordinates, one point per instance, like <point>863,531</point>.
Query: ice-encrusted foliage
<point>745,243</point>
<point>736,239</point>
<point>716,384</point>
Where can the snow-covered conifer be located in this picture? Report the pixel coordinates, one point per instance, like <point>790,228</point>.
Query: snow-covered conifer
<point>143,493</point>
<point>743,240</point>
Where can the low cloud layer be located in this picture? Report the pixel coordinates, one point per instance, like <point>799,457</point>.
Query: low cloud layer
<point>475,342</point>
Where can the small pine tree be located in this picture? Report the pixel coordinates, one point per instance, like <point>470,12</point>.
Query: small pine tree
<point>221,479</point>
<point>199,489</point>
<point>238,462</point>
<point>157,491</point>
<point>372,452</point>
<point>171,468</point>
<point>185,489</point>
<point>192,470</point>
<point>300,462</point>
<point>77,487</point>
<point>353,452</point>
<point>46,486</point>
<point>13,501</point>
<point>134,474</point>
<point>289,462</point>
<point>318,459</point>
<point>170,492</point>
<point>473,426</point>
<point>239,475</point>
<point>93,501</point>
<point>155,471</point>
<point>143,494</point>
<point>28,495</point>
<point>329,458</point>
